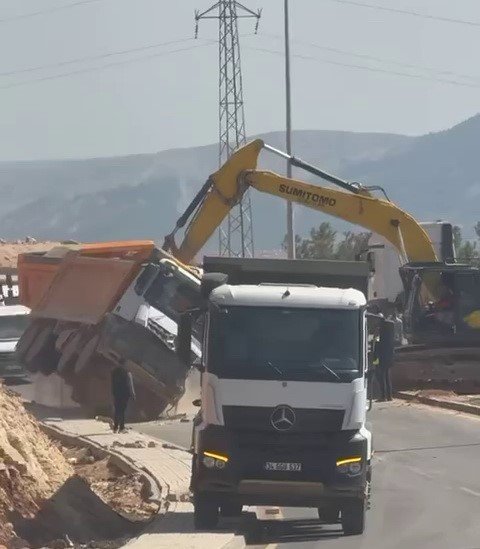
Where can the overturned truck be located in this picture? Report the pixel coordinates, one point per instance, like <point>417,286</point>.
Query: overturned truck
<point>93,304</point>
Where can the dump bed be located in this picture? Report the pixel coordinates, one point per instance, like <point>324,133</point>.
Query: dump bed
<point>36,270</point>
<point>332,274</point>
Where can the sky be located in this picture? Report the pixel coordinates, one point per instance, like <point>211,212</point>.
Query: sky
<point>166,95</point>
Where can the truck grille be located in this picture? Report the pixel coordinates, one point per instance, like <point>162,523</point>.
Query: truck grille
<point>255,419</point>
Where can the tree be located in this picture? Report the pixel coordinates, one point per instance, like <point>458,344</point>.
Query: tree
<point>457,237</point>
<point>322,244</point>
<point>352,245</point>
<point>467,251</point>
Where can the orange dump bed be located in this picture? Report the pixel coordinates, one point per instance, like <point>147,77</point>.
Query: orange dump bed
<point>84,289</point>
<point>37,270</point>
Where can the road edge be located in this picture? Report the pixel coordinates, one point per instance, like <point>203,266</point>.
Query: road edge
<point>157,492</point>
<point>439,403</point>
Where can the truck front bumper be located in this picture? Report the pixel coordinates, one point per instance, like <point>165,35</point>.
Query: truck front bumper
<point>245,477</point>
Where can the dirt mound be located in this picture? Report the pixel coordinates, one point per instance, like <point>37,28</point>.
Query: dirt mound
<point>9,250</point>
<point>31,468</point>
<point>125,493</point>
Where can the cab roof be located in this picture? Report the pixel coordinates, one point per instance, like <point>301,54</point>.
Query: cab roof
<point>282,295</point>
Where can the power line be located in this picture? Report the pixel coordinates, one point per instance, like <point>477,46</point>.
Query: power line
<point>379,59</point>
<point>370,69</point>
<point>93,57</point>
<point>103,67</point>
<point>47,11</point>
<point>409,12</point>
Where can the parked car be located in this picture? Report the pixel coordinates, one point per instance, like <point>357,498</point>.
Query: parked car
<point>13,321</point>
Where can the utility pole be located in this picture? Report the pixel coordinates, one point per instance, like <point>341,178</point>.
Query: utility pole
<point>236,235</point>
<point>288,135</point>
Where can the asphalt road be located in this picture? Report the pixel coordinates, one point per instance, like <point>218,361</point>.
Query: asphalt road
<point>425,494</point>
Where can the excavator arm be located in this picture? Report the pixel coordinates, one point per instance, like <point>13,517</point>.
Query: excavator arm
<point>356,204</point>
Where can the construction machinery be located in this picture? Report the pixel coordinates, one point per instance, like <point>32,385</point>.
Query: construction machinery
<point>93,304</point>
<point>441,299</point>
<point>284,386</point>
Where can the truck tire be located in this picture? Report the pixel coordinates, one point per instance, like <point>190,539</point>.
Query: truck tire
<point>205,512</point>
<point>329,516</point>
<point>231,509</point>
<point>353,517</point>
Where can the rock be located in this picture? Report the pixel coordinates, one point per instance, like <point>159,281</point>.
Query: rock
<point>152,444</point>
<point>184,420</point>
<point>30,240</point>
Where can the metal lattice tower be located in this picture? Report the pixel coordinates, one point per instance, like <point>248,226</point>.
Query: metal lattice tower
<point>236,234</point>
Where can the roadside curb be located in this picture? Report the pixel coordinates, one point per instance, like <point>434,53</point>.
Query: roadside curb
<point>440,403</point>
<point>157,491</point>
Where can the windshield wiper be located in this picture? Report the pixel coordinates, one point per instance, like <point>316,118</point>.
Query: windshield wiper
<point>330,371</point>
<point>273,367</point>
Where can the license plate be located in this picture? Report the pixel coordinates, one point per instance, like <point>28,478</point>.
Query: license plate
<point>275,466</point>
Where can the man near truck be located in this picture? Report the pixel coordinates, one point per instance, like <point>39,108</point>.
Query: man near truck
<point>384,354</point>
<point>122,391</point>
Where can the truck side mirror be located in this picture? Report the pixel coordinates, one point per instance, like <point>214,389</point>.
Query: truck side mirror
<point>184,339</point>
<point>210,281</point>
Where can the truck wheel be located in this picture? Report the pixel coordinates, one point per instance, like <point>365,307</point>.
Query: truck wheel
<point>329,516</point>
<point>205,513</point>
<point>231,509</point>
<point>353,517</point>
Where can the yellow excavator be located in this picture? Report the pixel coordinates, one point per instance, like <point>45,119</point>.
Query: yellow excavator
<point>441,301</point>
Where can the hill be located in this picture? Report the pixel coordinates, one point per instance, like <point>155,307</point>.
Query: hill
<point>433,176</point>
<point>141,196</point>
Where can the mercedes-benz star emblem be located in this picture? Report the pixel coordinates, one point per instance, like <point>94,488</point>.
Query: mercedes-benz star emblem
<point>283,418</point>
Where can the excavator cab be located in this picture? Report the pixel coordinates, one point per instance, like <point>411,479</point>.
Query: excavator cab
<point>442,304</point>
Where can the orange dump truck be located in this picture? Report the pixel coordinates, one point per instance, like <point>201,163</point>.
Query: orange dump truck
<point>93,303</point>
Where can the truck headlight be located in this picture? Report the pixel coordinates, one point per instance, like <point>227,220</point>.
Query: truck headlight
<point>212,459</point>
<point>351,466</point>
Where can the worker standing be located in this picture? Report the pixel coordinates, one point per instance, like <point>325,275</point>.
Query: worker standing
<point>122,392</point>
<point>397,329</point>
<point>386,346</point>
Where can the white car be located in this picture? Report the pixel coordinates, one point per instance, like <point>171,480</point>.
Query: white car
<point>13,321</point>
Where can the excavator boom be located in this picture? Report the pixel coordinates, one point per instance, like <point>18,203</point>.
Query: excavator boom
<point>356,204</point>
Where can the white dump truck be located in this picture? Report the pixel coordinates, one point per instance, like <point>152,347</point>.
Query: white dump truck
<point>283,392</point>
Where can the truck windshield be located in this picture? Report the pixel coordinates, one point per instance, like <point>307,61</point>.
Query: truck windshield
<point>173,294</point>
<point>285,343</point>
<point>12,327</point>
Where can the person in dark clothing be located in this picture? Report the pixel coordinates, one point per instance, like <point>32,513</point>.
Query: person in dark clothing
<point>384,353</point>
<point>122,392</point>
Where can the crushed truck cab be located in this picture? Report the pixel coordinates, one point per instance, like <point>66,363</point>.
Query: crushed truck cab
<point>283,400</point>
